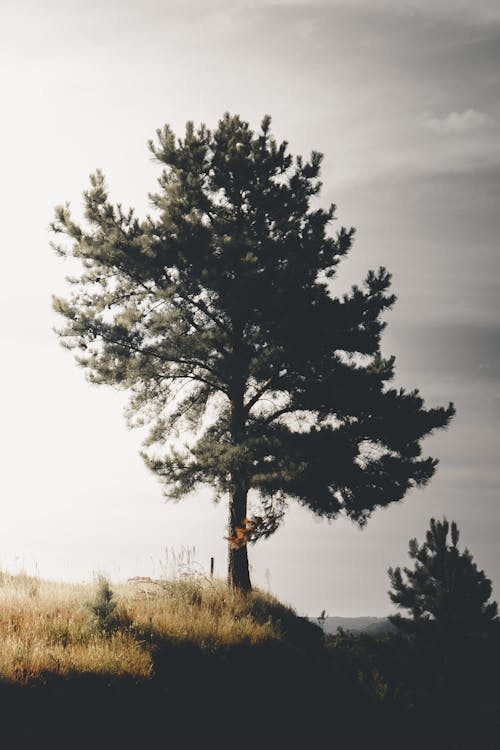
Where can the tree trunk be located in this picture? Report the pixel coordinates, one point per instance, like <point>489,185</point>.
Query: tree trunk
<point>238,575</point>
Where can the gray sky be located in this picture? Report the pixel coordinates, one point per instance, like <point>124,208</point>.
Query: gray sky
<point>403,99</point>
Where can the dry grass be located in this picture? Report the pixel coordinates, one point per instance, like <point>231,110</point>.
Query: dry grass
<point>46,629</point>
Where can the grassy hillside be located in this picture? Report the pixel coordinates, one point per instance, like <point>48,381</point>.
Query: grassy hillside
<point>191,664</point>
<point>51,630</point>
<point>185,659</point>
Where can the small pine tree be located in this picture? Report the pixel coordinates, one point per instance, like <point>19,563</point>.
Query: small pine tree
<point>445,593</point>
<point>103,611</point>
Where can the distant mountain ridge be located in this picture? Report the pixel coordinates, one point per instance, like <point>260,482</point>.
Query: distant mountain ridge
<point>376,626</point>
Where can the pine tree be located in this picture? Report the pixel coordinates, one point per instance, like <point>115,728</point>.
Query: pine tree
<point>216,314</point>
<point>445,592</point>
<point>103,612</point>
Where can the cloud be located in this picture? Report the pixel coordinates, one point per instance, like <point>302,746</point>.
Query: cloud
<point>456,122</point>
<point>455,13</point>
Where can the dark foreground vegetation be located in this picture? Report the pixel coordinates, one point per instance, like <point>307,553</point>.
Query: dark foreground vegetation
<point>192,664</point>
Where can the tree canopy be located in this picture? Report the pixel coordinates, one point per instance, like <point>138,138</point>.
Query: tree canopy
<point>445,592</point>
<point>217,313</point>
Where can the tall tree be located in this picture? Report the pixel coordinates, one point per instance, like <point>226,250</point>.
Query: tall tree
<point>216,313</point>
<point>445,592</point>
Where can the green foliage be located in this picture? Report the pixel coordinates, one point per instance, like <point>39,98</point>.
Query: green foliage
<point>104,614</point>
<point>428,697</point>
<point>217,313</point>
<point>445,592</point>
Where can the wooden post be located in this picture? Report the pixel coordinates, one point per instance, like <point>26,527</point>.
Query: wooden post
<point>211,567</point>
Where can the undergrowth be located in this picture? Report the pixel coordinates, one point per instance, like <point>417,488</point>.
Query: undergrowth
<point>54,629</point>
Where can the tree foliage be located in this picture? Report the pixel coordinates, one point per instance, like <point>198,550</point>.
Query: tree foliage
<point>445,592</point>
<point>217,314</point>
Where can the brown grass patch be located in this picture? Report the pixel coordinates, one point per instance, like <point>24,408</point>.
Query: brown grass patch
<point>46,629</point>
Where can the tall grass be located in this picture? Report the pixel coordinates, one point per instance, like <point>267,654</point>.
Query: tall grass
<point>48,629</point>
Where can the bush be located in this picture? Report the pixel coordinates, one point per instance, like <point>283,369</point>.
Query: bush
<point>104,613</point>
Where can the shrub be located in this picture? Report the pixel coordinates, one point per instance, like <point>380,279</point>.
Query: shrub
<point>104,614</point>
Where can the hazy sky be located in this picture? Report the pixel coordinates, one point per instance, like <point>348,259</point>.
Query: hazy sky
<point>403,99</point>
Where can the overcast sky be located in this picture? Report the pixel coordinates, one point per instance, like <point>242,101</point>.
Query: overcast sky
<point>403,99</point>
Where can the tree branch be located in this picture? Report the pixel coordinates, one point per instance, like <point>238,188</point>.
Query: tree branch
<point>272,381</point>
<point>174,360</point>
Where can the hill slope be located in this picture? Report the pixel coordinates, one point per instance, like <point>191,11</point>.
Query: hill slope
<point>192,664</point>
<point>376,626</point>
<point>154,664</point>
